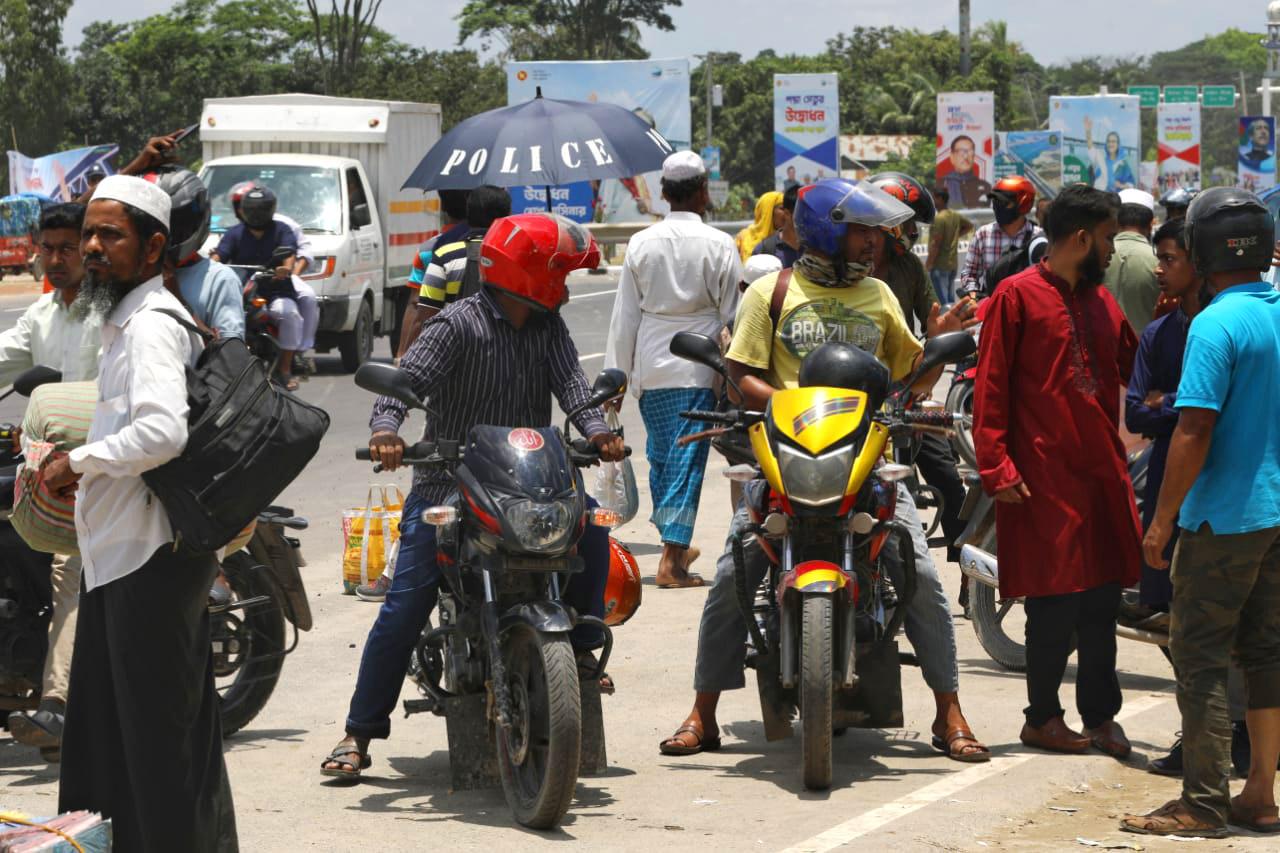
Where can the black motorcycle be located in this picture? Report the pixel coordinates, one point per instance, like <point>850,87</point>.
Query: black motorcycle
<point>260,332</point>
<point>259,593</point>
<point>500,656</point>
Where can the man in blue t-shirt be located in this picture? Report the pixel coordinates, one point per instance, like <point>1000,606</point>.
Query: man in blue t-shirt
<point>1222,488</point>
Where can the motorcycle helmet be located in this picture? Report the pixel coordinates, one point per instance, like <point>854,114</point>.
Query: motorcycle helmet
<point>189,216</point>
<point>1013,195</point>
<point>1229,229</point>
<point>623,590</point>
<point>909,191</point>
<point>257,206</point>
<point>837,364</point>
<point>1175,202</point>
<point>237,195</point>
<point>825,210</point>
<point>528,256</point>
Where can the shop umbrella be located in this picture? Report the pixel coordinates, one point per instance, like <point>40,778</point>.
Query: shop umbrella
<point>542,142</point>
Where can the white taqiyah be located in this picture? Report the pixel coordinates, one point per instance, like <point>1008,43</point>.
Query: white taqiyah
<point>683,165</point>
<point>143,195</point>
<point>1136,196</point>
<point>759,266</point>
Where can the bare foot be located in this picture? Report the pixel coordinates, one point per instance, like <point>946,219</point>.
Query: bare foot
<point>678,580</point>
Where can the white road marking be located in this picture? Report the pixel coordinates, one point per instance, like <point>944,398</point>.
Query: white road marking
<point>14,310</point>
<point>575,297</point>
<point>583,358</point>
<point>949,786</point>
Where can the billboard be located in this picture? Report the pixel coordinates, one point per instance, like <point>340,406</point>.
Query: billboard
<point>806,128</point>
<point>58,176</point>
<point>1101,139</point>
<point>1034,154</point>
<point>1257,157</point>
<point>1178,146</point>
<point>656,89</point>
<point>966,131</point>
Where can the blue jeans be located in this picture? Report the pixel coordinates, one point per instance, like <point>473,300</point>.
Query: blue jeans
<point>411,599</point>
<point>944,285</point>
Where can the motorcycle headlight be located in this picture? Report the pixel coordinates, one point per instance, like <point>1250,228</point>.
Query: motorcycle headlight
<point>815,480</point>
<point>540,527</point>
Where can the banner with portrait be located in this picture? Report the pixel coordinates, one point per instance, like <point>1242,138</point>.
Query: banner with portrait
<point>655,89</point>
<point>1178,146</point>
<point>966,132</point>
<point>806,128</point>
<point>1257,153</point>
<point>60,176</point>
<point>1101,139</point>
<point>1034,154</point>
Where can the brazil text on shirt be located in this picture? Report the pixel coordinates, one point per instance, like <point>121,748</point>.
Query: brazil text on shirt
<point>1232,367</point>
<point>443,278</point>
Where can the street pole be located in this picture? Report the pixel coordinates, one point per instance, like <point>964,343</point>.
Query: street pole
<point>1244,99</point>
<point>707,74</point>
<point>964,38</point>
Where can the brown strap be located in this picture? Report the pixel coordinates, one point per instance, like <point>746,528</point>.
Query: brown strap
<point>779,297</point>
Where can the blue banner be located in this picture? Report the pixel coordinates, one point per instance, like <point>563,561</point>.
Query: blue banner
<point>574,201</point>
<point>806,128</point>
<point>58,176</point>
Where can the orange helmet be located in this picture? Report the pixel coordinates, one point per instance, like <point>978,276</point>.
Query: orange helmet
<point>529,255</point>
<point>622,592</point>
<point>1015,190</point>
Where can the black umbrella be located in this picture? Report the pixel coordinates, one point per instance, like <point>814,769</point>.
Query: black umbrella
<point>542,142</point>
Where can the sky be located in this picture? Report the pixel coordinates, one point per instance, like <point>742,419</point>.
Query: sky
<point>1093,27</point>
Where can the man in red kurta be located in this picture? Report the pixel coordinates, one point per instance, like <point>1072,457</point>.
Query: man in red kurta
<point>1055,354</point>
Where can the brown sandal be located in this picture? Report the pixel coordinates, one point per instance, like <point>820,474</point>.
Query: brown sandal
<point>1173,818</point>
<point>672,745</point>
<point>979,753</point>
<point>1246,818</point>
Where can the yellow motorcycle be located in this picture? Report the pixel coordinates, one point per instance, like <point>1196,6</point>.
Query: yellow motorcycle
<point>822,616</point>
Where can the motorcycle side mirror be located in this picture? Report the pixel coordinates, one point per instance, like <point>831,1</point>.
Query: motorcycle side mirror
<point>388,381</point>
<point>32,379</point>
<point>700,349</point>
<point>946,348</point>
<point>609,384</point>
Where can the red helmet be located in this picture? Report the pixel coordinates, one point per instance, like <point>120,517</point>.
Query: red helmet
<point>622,592</point>
<point>529,255</point>
<point>1015,190</point>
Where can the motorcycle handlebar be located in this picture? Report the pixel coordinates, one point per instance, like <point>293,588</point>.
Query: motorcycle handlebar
<point>941,419</point>
<point>711,417</point>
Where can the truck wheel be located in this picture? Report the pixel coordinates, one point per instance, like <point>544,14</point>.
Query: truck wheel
<point>356,346</point>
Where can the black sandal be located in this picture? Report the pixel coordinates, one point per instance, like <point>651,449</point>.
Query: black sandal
<point>347,769</point>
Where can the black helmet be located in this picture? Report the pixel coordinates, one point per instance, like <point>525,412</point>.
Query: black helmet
<point>189,216</point>
<point>96,172</point>
<point>1229,229</point>
<point>257,207</point>
<point>836,364</point>
<point>1175,202</point>
<point>910,192</point>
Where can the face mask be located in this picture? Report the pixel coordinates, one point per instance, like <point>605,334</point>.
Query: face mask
<point>1006,214</point>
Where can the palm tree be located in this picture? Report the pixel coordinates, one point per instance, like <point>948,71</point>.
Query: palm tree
<point>905,105</point>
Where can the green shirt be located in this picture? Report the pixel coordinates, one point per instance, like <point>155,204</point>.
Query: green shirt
<point>1131,278</point>
<point>946,230</point>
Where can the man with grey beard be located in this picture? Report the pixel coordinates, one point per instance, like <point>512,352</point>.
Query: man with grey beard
<point>142,742</point>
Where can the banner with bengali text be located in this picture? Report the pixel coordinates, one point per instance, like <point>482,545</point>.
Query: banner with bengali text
<point>806,128</point>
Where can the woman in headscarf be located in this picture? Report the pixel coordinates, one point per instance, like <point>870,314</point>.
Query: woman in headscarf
<point>764,225</point>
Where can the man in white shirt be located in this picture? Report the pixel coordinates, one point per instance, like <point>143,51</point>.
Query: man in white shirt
<point>47,334</point>
<point>679,275</point>
<point>142,742</point>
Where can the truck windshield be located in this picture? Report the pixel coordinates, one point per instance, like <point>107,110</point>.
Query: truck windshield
<point>310,196</point>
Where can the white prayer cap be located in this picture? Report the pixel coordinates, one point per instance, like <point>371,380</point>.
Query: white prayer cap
<point>759,266</point>
<point>1141,197</point>
<point>683,165</point>
<point>143,195</point>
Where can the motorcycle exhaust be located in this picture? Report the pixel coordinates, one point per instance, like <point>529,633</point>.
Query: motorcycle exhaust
<point>981,566</point>
<point>1155,638</point>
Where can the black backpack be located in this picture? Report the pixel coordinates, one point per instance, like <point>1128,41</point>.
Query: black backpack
<point>1012,261</point>
<point>471,273</point>
<point>247,441</point>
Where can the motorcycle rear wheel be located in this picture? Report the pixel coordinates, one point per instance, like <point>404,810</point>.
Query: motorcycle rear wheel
<point>960,402</point>
<point>261,629</point>
<point>538,757</point>
<point>988,623</point>
<point>817,686</point>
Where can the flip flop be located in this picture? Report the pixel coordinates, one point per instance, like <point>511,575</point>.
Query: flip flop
<point>947,747</point>
<point>704,744</point>
<point>1246,819</point>
<point>690,581</point>
<point>339,756</point>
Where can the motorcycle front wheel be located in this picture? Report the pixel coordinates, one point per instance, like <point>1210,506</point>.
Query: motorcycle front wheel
<point>538,756</point>
<point>248,643</point>
<point>817,686</point>
<point>960,402</point>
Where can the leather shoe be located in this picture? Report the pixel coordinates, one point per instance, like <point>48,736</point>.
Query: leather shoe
<point>1168,765</point>
<point>1110,738</point>
<point>1055,736</point>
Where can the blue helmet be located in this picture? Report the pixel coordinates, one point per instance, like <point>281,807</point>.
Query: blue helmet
<point>824,211</point>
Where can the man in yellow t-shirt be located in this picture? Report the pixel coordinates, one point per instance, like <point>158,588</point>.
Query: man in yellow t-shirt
<point>830,297</point>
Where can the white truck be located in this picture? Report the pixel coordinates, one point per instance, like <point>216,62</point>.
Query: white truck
<point>336,165</point>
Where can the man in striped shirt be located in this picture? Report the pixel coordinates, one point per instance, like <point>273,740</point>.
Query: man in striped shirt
<point>495,358</point>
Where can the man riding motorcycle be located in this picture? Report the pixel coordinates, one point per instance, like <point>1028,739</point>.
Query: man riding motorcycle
<point>50,333</point>
<point>494,358</point>
<point>829,296</point>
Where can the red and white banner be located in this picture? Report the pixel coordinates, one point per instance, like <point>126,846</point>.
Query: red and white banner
<point>1178,146</point>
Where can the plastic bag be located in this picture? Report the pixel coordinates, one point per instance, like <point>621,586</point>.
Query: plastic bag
<point>368,534</point>
<point>615,486</point>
